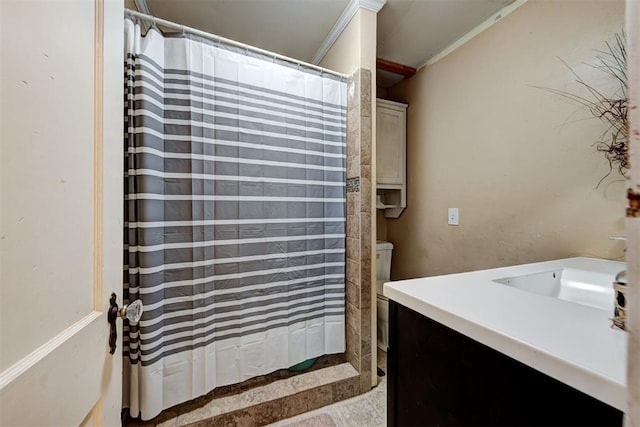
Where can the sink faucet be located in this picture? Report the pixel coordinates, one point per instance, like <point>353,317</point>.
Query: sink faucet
<point>619,286</point>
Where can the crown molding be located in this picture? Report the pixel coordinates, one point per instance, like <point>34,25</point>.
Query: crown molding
<point>494,19</point>
<point>372,5</point>
<point>342,22</point>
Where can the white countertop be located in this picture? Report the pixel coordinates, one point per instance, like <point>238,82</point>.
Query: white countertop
<point>570,342</point>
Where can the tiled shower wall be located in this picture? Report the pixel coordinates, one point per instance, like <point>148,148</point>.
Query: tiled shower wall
<point>359,225</point>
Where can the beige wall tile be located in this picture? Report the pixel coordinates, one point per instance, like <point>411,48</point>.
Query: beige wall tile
<point>365,374</point>
<point>353,347</point>
<point>366,237</point>
<point>353,293</point>
<point>353,203</point>
<point>353,272</point>
<point>353,248</point>
<point>365,172</point>
<point>365,92</point>
<point>346,389</point>
<point>365,331</point>
<point>365,141</point>
<point>353,117</point>
<point>353,316</point>
<point>353,155</point>
<point>365,287</point>
<point>353,91</point>
<point>366,195</point>
<point>353,226</point>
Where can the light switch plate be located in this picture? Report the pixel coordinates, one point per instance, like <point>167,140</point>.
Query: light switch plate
<point>453,216</point>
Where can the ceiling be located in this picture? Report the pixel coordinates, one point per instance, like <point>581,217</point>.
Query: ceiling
<point>409,31</point>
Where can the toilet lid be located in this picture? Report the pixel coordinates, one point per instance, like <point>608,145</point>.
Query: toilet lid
<point>381,245</point>
<point>379,284</point>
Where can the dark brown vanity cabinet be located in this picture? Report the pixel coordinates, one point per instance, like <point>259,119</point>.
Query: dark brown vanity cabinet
<point>439,377</point>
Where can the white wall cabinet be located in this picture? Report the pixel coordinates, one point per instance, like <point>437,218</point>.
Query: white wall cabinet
<point>391,120</point>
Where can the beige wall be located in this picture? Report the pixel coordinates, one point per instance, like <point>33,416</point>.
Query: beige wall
<point>356,45</point>
<point>130,4</point>
<point>517,161</point>
<point>344,54</point>
<point>356,48</point>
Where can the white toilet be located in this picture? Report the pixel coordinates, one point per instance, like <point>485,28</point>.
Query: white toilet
<point>383,274</point>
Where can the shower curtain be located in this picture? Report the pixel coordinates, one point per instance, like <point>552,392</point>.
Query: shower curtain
<point>235,216</point>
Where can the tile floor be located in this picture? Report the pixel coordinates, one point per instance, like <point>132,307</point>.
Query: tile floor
<point>369,409</point>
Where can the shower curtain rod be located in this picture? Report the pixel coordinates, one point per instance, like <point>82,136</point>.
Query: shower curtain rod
<point>214,37</point>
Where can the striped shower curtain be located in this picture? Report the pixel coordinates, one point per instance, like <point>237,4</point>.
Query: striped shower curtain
<point>235,210</point>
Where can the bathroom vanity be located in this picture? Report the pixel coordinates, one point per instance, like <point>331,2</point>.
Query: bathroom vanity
<point>524,345</point>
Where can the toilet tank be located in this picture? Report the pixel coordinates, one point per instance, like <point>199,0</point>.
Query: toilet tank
<point>383,261</point>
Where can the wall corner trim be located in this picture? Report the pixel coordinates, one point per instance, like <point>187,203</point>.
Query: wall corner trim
<point>342,22</point>
<point>493,19</point>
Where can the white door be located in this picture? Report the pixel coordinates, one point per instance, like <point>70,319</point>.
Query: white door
<point>60,210</point>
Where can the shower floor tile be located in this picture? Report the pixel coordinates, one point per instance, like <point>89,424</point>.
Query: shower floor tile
<point>369,409</point>
<point>365,410</point>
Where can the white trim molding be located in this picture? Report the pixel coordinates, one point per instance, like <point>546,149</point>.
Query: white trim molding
<point>342,22</point>
<point>372,5</point>
<point>495,18</point>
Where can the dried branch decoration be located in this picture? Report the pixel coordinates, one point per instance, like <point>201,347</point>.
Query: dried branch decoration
<point>610,109</point>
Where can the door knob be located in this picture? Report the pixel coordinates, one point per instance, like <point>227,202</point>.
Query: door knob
<point>132,312</point>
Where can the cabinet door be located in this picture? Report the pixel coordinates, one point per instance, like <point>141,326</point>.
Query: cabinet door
<point>390,144</point>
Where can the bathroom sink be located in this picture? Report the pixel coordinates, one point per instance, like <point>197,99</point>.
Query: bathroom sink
<point>553,316</point>
<point>590,288</point>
